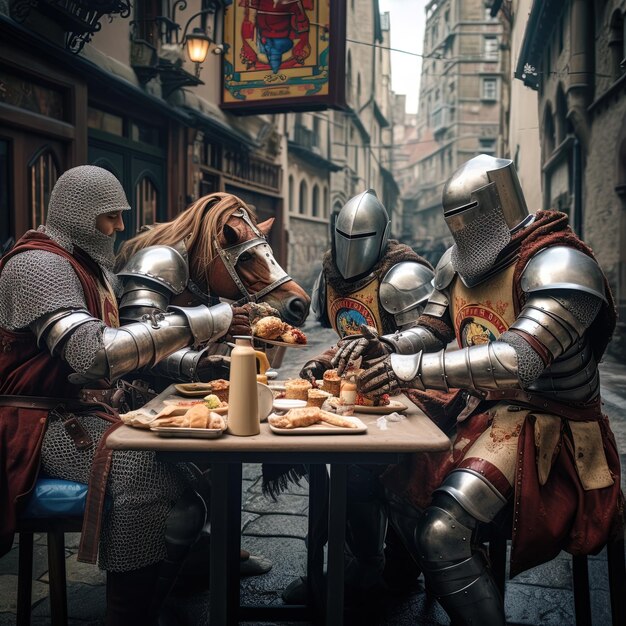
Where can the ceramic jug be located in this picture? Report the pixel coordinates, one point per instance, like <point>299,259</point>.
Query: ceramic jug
<point>243,408</point>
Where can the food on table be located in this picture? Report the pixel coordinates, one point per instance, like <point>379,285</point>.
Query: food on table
<point>335,420</point>
<point>212,401</point>
<point>293,335</point>
<point>317,397</point>
<point>257,310</point>
<point>268,328</point>
<point>347,391</point>
<point>332,382</point>
<point>182,403</point>
<point>362,400</point>
<point>198,416</point>
<point>297,389</point>
<point>219,388</point>
<point>274,329</point>
<point>301,418</point>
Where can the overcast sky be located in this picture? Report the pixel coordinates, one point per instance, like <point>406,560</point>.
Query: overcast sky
<point>407,33</point>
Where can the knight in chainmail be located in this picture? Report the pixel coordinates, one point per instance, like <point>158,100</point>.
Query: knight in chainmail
<point>532,312</point>
<point>61,341</point>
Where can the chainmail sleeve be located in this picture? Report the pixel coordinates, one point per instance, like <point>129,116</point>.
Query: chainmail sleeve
<point>35,283</point>
<point>82,347</point>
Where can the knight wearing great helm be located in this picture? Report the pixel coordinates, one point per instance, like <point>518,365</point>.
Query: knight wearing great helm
<point>368,284</point>
<point>63,347</point>
<point>532,314</point>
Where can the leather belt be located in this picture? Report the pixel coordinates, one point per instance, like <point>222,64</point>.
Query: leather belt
<point>37,402</point>
<point>590,411</point>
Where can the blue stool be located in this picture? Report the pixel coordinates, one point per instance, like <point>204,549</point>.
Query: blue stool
<point>55,508</point>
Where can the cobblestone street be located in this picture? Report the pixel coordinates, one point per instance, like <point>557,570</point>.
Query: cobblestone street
<point>277,530</point>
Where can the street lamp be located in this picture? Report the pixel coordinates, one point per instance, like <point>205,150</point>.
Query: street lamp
<point>201,39</point>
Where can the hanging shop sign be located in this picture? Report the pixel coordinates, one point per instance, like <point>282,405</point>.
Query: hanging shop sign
<point>283,55</point>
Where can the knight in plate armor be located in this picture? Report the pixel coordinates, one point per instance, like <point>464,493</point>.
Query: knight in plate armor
<point>368,283</point>
<point>63,347</point>
<point>532,314</point>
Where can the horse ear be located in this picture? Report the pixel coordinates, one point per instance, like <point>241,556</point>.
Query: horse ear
<point>230,235</point>
<point>266,226</point>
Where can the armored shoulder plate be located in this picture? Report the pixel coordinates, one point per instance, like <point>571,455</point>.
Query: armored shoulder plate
<point>561,267</point>
<point>444,272</point>
<point>405,286</point>
<point>159,264</point>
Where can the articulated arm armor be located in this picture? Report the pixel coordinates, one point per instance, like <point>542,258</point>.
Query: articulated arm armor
<point>419,338</point>
<point>545,349</point>
<point>96,351</point>
<point>151,278</point>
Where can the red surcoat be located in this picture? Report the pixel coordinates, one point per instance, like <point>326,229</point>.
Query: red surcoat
<point>29,370</point>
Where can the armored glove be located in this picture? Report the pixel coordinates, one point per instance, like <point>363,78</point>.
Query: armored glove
<point>211,367</point>
<point>367,345</point>
<point>240,324</point>
<point>378,379</point>
<point>313,370</point>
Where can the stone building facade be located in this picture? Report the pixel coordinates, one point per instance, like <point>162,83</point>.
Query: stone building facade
<point>463,85</point>
<point>574,56</point>
<point>333,155</point>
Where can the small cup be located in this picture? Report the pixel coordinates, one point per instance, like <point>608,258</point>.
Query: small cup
<point>266,401</point>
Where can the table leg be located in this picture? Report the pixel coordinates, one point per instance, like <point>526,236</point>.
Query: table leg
<point>336,541</point>
<point>317,533</point>
<point>225,543</point>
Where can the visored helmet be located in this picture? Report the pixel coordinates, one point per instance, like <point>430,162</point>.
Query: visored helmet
<point>483,205</point>
<point>361,234</point>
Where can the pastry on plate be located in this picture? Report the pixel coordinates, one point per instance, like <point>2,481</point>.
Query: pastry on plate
<point>297,389</point>
<point>268,328</point>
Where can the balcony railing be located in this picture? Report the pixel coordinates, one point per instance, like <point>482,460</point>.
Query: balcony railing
<point>306,138</point>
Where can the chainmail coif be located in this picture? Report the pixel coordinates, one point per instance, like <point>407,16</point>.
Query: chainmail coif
<point>78,197</point>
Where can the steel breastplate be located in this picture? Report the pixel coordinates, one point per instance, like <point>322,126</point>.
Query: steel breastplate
<point>347,312</point>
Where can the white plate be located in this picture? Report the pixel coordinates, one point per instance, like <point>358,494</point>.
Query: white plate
<point>284,404</point>
<point>186,433</point>
<point>271,342</point>
<point>394,406</point>
<point>322,428</point>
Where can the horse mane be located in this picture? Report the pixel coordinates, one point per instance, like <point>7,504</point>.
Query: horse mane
<point>198,225</point>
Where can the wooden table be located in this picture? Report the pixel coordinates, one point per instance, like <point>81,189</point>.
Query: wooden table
<point>226,455</point>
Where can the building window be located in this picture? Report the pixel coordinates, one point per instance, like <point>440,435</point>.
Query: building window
<point>549,134</point>
<point>489,89</point>
<point>146,202</point>
<point>487,146</point>
<point>316,131</point>
<point>303,204</point>
<point>326,207</point>
<point>616,45</point>
<point>490,48</point>
<point>315,202</point>
<point>292,206</point>
<point>42,175</point>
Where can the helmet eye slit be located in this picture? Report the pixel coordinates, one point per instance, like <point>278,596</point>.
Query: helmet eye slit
<point>359,236</point>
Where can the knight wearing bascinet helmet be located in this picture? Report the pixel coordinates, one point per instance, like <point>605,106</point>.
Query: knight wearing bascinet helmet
<point>532,313</point>
<point>368,284</point>
<point>63,348</point>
